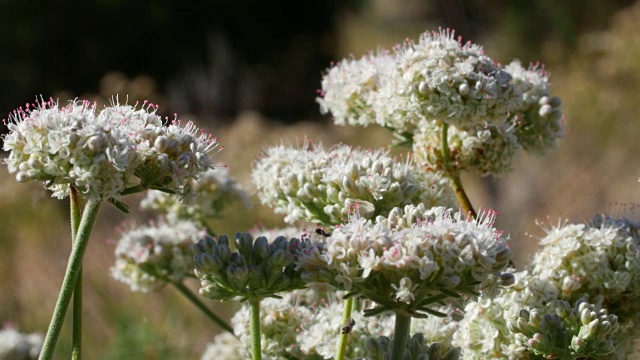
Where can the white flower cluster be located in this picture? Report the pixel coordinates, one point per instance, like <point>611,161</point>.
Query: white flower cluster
<point>349,89</point>
<point>304,325</point>
<point>490,110</point>
<point>147,257</point>
<point>212,192</point>
<point>398,268</point>
<point>488,149</point>
<point>17,346</point>
<point>226,346</point>
<point>324,186</point>
<point>598,262</point>
<point>483,332</point>
<point>102,153</point>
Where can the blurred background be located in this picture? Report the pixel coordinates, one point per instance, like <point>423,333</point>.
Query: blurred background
<point>247,72</point>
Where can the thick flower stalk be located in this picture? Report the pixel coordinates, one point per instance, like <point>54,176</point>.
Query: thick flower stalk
<point>579,332</point>
<point>213,192</point>
<point>324,186</point>
<point>148,257</point>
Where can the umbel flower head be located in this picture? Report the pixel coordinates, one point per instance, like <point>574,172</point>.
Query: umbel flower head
<point>579,332</point>
<point>411,268</point>
<point>257,269</point>
<point>104,153</point>
<point>149,256</point>
<point>213,191</point>
<point>597,261</point>
<point>483,332</point>
<point>304,325</point>
<point>323,186</point>
<point>421,89</point>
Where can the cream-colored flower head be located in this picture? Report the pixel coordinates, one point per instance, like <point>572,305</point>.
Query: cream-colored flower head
<point>148,257</point>
<point>103,153</point>
<point>324,186</point>
<point>435,255</point>
<point>419,89</point>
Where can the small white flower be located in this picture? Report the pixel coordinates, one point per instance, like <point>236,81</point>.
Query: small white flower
<point>149,256</point>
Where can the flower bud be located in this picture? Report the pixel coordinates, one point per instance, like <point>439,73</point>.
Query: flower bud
<point>237,276</point>
<point>423,88</point>
<point>261,248</point>
<point>244,243</point>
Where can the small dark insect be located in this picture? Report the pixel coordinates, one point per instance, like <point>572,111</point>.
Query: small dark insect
<point>320,231</point>
<point>348,327</point>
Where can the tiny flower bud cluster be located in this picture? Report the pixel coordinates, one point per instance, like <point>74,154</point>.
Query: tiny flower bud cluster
<point>14,345</point>
<point>579,332</point>
<point>257,269</point>
<point>149,256</point>
<point>215,190</point>
<point>102,153</point>
<point>399,269</point>
<point>416,349</point>
<point>324,186</point>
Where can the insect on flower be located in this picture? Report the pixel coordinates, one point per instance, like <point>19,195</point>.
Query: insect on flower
<point>321,231</point>
<point>348,326</point>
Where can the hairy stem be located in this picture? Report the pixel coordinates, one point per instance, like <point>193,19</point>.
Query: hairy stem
<point>184,290</point>
<point>76,339</point>
<point>254,309</point>
<point>400,335</point>
<point>89,216</point>
<point>346,315</point>
<point>454,175</point>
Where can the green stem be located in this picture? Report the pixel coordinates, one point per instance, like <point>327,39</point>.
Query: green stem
<point>76,339</point>
<point>254,309</point>
<point>342,343</point>
<point>89,216</point>
<point>463,199</point>
<point>454,175</point>
<point>184,290</point>
<point>400,335</point>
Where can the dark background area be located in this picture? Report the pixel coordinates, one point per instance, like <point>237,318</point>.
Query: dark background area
<point>215,59</point>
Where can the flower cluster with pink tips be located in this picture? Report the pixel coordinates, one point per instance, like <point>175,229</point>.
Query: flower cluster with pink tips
<point>103,153</point>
